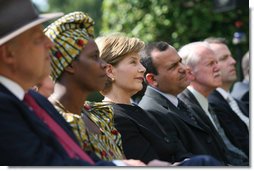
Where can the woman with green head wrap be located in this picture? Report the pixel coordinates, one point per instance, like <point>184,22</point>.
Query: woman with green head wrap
<point>77,71</point>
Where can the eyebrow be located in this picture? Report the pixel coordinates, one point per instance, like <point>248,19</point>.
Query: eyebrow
<point>174,63</point>
<point>95,52</point>
<point>134,57</point>
<point>223,57</point>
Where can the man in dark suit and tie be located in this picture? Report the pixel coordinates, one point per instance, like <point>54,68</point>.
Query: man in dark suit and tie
<point>166,77</point>
<point>232,113</point>
<point>204,74</point>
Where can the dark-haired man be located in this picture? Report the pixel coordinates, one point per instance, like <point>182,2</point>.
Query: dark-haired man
<point>166,77</point>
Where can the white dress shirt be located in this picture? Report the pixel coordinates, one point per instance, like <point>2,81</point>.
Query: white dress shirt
<point>203,101</point>
<point>13,87</point>
<point>171,98</point>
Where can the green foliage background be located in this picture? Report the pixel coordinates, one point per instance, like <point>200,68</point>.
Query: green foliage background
<point>92,7</point>
<point>175,21</point>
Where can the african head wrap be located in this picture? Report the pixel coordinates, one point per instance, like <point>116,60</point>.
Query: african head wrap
<point>70,34</point>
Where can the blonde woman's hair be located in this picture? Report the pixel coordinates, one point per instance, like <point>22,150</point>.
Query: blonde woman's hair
<point>114,48</point>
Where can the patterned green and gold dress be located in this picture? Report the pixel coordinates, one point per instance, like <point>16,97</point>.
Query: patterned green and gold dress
<point>106,143</point>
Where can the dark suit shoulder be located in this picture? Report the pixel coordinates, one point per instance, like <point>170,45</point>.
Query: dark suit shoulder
<point>26,140</point>
<point>143,139</point>
<point>195,138</point>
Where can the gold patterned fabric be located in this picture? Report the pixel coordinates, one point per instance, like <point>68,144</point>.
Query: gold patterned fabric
<point>107,144</point>
<point>70,34</point>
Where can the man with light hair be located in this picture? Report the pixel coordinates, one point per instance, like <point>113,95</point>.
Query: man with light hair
<point>204,75</point>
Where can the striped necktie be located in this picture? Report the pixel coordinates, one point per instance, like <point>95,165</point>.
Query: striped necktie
<point>234,106</point>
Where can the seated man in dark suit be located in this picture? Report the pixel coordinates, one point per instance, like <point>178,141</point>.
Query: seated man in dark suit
<point>205,77</point>
<point>32,132</point>
<point>166,77</point>
<point>232,113</point>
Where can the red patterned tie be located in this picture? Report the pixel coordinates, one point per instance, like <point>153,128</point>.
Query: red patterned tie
<point>67,142</point>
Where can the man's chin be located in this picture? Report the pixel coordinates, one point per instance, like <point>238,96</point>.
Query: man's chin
<point>232,78</point>
<point>187,83</point>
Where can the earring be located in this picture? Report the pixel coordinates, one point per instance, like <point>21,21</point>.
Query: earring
<point>112,79</point>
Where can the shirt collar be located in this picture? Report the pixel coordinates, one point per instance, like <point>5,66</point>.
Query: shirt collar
<point>246,81</point>
<point>223,92</point>
<point>170,97</point>
<point>202,100</point>
<point>13,87</point>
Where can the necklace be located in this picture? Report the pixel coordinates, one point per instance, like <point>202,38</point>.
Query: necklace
<point>58,104</point>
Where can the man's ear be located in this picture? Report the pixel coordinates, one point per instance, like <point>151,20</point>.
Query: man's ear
<point>151,80</point>
<point>190,75</point>
<point>7,54</point>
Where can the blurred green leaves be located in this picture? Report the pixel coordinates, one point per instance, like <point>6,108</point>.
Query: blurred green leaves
<point>175,21</point>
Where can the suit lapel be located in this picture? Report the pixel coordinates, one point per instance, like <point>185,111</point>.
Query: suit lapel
<point>4,90</point>
<point>186,94</point>
<point>242,108</point>
<point>202,117</point>
<point>193,103</point>
<point>222,100</point>
<point>216,96</point>
<point>157,97</point>
<point>169,107</point>
<point>28,115</point>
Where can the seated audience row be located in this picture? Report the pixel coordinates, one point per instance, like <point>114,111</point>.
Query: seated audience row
<point>161,130</point>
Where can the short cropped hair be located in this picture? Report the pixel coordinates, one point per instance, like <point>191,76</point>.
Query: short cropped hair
<point>146,58</point>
